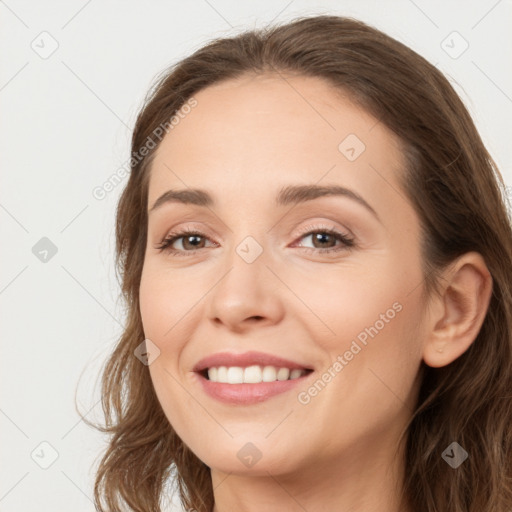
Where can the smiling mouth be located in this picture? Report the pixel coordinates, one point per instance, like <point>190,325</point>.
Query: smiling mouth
<point>254,374</point>
<point>250,377</point>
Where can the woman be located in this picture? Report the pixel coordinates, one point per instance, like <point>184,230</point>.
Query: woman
<point>316,257</point>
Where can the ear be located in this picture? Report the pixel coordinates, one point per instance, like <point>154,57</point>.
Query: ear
<point>456,316</point>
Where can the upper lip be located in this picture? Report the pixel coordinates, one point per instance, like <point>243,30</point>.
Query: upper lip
<point>246,359</point>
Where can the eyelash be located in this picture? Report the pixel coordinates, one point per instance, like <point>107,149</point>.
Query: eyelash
<point>347,242</point>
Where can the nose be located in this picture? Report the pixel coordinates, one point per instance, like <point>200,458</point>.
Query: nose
<point>247,295</point>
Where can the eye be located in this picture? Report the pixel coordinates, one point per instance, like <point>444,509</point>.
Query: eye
<point>191,239</point>
<point>324,241</point>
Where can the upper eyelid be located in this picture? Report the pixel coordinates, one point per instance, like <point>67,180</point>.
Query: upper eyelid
<point>324,223</point>
<point>308,230</point>
<point>304,230</point>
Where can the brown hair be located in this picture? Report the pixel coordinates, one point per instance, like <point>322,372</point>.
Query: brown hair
<point>458,193</point>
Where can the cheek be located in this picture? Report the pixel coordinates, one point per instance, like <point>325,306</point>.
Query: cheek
<point>163,303</point>
<point>375,387</point>
<point>151,300</point>
<point>348,299</point>
<point>370,318</point>
<point>165,297</point>
<point>383,371</point>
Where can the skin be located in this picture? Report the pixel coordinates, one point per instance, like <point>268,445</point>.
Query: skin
<point>245,140</point>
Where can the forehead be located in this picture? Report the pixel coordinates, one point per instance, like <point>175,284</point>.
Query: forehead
<point>247,138</point>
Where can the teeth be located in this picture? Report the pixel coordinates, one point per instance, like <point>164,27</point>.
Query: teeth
<point>252,374</point>
<point>235,375</point>
<point>295,374</point>
<point>269,374</point>
<point>283,374</point>
<point>212,374</point>
<point>222,374</point>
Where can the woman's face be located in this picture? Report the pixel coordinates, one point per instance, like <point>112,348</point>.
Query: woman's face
<point>267,275</point>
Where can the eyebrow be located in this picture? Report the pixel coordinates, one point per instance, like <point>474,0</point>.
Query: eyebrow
<point>291,194</point>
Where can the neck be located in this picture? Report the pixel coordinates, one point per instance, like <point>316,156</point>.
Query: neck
<point>365,479</point>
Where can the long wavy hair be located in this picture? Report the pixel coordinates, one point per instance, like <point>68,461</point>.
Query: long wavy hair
<point>460,198</point>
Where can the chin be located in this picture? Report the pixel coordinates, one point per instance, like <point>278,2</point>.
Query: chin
<point>241,456</point>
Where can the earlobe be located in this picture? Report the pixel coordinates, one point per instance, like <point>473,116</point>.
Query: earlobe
<point>457,315</point>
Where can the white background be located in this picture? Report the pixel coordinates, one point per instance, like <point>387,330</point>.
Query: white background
<point>65,128</point>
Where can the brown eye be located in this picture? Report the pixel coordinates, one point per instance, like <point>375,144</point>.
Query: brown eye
<point>192,242</point>
<point>324,240</point>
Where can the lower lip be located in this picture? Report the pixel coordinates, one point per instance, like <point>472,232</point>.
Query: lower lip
<point>246,394</point>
